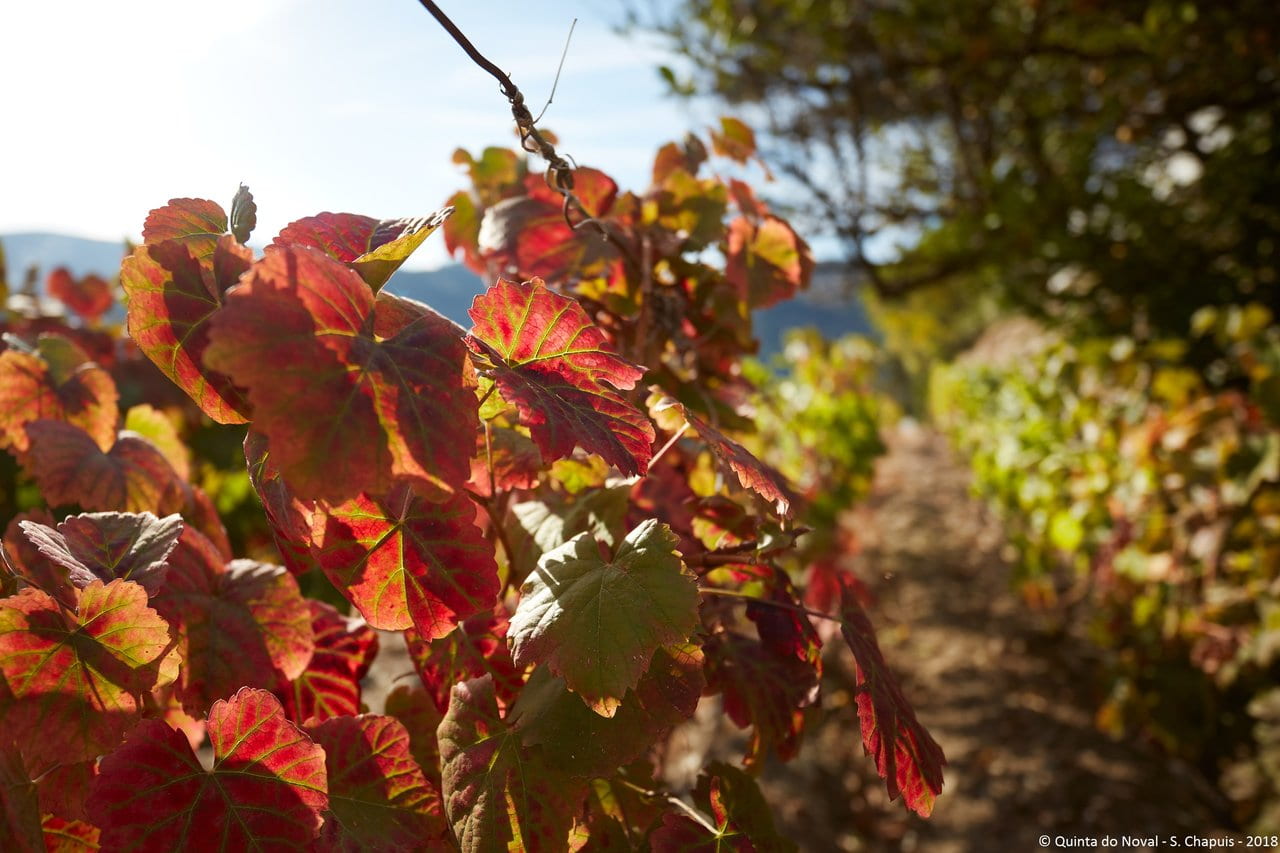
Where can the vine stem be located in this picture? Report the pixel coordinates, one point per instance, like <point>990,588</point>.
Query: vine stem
<point>670,442</point>
<point>689,810</point>
<point>768,602</point>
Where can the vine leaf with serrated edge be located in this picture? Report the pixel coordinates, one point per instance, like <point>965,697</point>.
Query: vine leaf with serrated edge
<point>108,545</point>
<point>267,786</point>
<point>330,685</point>
<point>352,393</point>
<point>597,622</point>
<point>559,370</point>
<point>55,382</point>
<point>374,248</point>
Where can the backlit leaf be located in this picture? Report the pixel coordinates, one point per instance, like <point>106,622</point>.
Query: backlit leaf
<point>907,757</point>
<point>558,368</point>
<point>266,790</point>
<point>498,795</point>
<point>581,743</point>
<point>196,223</point>
<point>752,473</point>
<point>330,685</point>
<point>478,646</point>
<point>596,621</point>
<point>404,561</point>
<point>734,139</point>
<point>238,624</point>
<point>89,296</point>
<point>108,545</point>
<point>374,248</point>
<point>737,809</point>
<point>76,678</point>
<point>351,393</point>
<point>19,806</point>
<point>64,789</point>
<point>70,468</point>
<point>174,288</point>
<point>57,382</point>
<point>767,261</point>
<point>69,836</point>
<point>378,796</point>
<point>288,516</point>
<point>156,427</point>
<point>244,214</point>
<point>411,705</point>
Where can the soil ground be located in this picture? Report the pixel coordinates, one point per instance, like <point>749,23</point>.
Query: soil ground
<point>1009,704</point>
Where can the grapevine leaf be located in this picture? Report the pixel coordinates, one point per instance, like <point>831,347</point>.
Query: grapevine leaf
<point>597,622</point>
<point>108,545</point>
<point>266,790</point>
<point>738,812</point>
<point>196,223</point>
<point>90,297</point>
<point>351,393</point>
<point>378,796</point>
<point>476,647</point>
<point>497,795</point>
<point>156,427</point>
<point>330,685</point>
<point>69,836</point>
<point>76,677</point>
<point>242,623</point>
<point>462,231</point>
<point>417,710</point>
<point>763,688</point>
<point>19,805</point>
<point>64,789</point>
<point>734,139</point>
<point>544,525</point>
<point>557,367</point>
<point>752,473</point>
<point>70,468</point>
<point>59,383</point>
<point>173,292</point>
<point>25,561</point>
<point>404,561</point>
<point>509,461</point>
<point>289,517</point>
<point>580,743</point>
<point>766,261</point>
<point>244,214</point>
<point>374,248</point>
<point>906,755</point>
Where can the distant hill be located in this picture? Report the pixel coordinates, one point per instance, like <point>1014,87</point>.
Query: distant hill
<point>827,305</point>
<point>47,251</point>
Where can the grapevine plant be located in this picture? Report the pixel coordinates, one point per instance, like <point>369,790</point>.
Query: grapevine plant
<point>550,505</point>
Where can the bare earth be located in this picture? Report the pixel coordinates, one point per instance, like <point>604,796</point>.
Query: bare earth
<point>1008,703</point>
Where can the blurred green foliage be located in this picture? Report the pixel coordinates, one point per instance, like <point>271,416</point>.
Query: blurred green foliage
<point>1157,489</point>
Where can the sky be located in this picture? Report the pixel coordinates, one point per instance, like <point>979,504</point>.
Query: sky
<point>112,109</point>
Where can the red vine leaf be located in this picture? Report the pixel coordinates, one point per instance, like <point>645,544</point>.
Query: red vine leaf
<point>476,647</point>
<point>767,261</point>
<point>597,622</point>
<point>19,805</point>
<point>90,296</point>
<point>289,517</point>
<point>76,677</point>
<point>374,248</point>
<point>266,789</point>
<point>581,743</point>
<point>174,287</point>
<point>509,461</point>
<point>330,685</point>
<point>752,473</point>
<point>156,427</point>
<point>57,382</point>
<point>411,705</point>
<point>109,545</point>
<point>559,370</point>
<point>69,836</point>
<point>378,796</point>
<point>196,223</point>
<point>734,139</point>
<point>906,755</point>
<point>70,468</point>
<point>351,393</point>
<point>404,561</point>
<point>495,791</point>
<point>63,789</point>
<point>238,624</point>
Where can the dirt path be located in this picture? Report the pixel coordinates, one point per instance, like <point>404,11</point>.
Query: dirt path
<point>1007,703</point>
